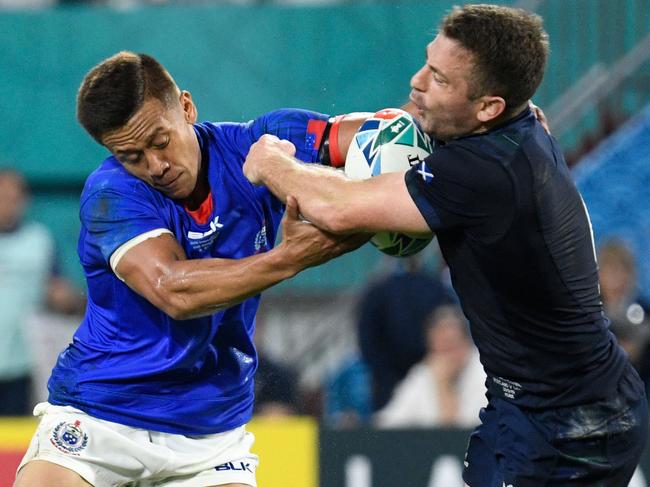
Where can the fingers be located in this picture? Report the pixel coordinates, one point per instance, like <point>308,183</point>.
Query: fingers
<point>356,240</point>
<point>287,147</point>
<point>540,115</point>
<point>348,243</point>
<point>273,142</point>
<point>262,157</point>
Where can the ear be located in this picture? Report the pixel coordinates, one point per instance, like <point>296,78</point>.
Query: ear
<point>490,107</point>
<point>189,108</point>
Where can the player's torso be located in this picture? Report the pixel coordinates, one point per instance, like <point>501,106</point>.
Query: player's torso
<point>127,344</point>
<point>243,219</point>
<point>531,291</point>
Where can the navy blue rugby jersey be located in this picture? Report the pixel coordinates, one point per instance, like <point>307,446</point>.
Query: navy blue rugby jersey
<point>516,236</point>
<point>129,362</point>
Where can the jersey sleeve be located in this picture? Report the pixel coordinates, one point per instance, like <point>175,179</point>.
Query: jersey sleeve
<point>303,128</point>
<point>455,188</point>
<point>114,216</point>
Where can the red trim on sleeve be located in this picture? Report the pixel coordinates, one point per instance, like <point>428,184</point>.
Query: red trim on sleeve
<point>202,214</point>
<point>317,128</point>
<point>336,158</point>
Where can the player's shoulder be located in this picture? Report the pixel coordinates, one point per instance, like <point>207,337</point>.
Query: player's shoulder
<point>111,188</point>
<point>468,160</point>
<point>111,177</point>
<point>486,156</point>
<point>501,142</point>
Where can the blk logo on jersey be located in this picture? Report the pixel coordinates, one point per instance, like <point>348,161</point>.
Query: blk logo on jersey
<point>235,466</point>
<point>214,226</point>
<point>69,437</point>
<point>202,241</point>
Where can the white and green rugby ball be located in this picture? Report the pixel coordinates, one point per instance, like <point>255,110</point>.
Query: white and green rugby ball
<point>389,141</point>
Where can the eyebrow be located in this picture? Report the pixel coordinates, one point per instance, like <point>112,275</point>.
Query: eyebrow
<point>148,139</point>
<point>433,68</point>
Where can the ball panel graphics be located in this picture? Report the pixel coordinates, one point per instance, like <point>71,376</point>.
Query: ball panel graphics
<point>390,141</point>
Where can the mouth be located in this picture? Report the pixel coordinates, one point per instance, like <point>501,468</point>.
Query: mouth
<point>414,100</point>
<point>168,184</point>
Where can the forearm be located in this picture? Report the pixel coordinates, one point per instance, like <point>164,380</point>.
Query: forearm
<point>321,191</point>
<point>199,287</point>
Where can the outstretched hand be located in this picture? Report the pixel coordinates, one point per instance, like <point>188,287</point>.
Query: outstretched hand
<point>307,245</point>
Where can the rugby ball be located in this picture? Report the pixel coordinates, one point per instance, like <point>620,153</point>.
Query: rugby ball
<point>389,141</point>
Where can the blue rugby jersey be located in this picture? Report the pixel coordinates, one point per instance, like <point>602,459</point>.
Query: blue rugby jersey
<point>129,362</point>
<point>516,236</point>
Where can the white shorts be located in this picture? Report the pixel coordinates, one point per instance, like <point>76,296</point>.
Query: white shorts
<point>110,454</point>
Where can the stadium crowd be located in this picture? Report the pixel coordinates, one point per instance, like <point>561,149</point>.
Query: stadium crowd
<point>125,4</point>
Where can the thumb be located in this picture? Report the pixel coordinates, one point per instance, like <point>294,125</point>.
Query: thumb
<point>292,208</point>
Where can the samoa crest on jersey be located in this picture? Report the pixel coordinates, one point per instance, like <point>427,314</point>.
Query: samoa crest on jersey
<point>69,437</point>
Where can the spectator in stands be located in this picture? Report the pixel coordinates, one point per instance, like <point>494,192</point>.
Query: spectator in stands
<point>275,389</point>
<point>347,395</point>
<point>634,337</point>
<point>447,388</point>
<point>26,4</point>
<point>28,283</point>
<point>628,311</point>
<point>276,385</point>
<point>391,315</point>
<point>618,283</point>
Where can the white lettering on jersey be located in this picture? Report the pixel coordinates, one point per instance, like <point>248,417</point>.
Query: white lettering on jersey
<point>214,226</point>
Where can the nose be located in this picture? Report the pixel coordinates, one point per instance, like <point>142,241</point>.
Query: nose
<point>157,165</point>
<point>419,79</point>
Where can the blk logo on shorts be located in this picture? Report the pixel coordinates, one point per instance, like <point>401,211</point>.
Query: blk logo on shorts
<point>236,466</point>
<point>69,437</point>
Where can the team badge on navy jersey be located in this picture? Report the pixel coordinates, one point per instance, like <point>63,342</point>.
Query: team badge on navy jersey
<point>423,170</point>
<point>69,437</point>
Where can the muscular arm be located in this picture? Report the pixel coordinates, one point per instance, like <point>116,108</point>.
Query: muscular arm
<point>330,200</point>
<point>184,288</point>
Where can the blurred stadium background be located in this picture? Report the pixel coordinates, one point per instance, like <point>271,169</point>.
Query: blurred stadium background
<point>242,58</point>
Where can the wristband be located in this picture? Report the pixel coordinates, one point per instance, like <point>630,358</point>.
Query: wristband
<point>324,150</point>
<point>336,158</point>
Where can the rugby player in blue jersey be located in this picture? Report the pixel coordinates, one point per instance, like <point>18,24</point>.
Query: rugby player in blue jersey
<point>176,245</point>
<point>565,406</point>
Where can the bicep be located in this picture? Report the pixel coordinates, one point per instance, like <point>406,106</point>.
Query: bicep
<point>141,266</point>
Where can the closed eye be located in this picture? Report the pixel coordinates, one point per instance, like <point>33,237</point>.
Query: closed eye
<point>162,144</point>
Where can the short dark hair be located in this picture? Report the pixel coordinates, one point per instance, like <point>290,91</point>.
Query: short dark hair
<point>510,49</point>
<point>114,90</point>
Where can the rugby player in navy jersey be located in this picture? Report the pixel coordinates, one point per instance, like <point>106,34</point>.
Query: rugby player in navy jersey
<point>176,246</point>
<point>565,406</point>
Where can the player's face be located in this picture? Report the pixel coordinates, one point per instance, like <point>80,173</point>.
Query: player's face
<point>440,90</point>
<point>158,145</point>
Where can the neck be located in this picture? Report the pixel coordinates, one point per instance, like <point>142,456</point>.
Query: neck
<point>202,188</point>
<point>505,117</point>
<point>200,193</point>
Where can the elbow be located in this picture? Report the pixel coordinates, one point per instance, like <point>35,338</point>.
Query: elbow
<point>171,296</point>
<point>178,313</point>
<point>175,307</point>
